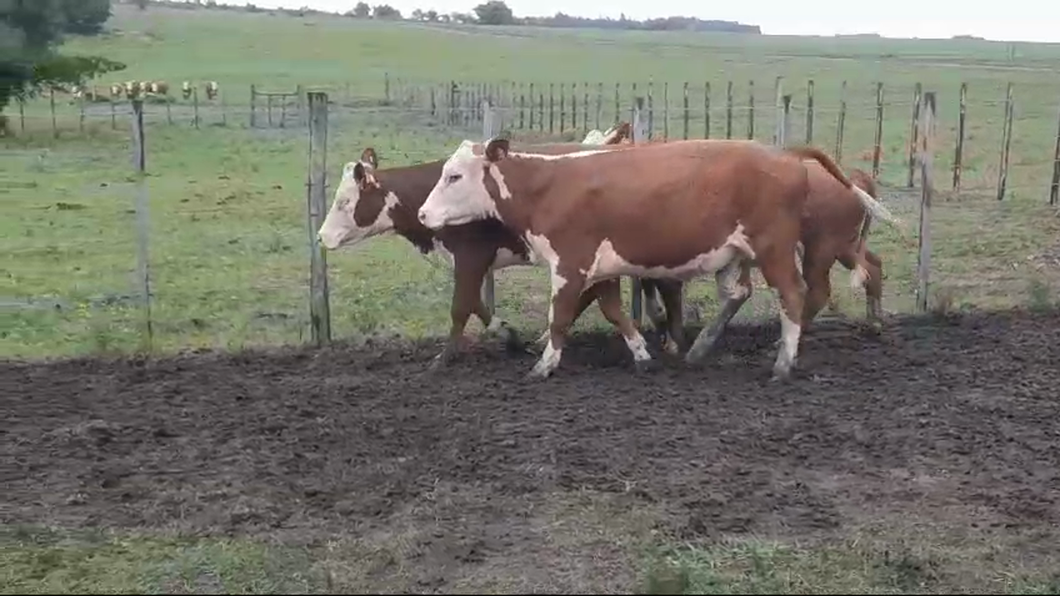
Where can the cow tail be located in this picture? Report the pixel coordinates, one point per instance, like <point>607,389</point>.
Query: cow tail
<point>874,207</point>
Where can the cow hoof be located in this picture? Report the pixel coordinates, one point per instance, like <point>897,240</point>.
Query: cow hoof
<point>535,376</point>
<point>780,376</point>
<point>645,366</point>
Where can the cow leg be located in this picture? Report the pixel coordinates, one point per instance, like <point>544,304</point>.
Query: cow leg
<point>734,289</point>
<point>611,306</point>
<point>651,305</point>
<point>779,271</point>
<point>587,297</point>
<point>467,279</point>
<point>567,288</point>
<point>874,289</point>
<point>672,293</point>
<point>816,270</point>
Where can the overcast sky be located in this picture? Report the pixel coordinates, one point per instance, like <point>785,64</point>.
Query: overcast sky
<point>1013,20</point>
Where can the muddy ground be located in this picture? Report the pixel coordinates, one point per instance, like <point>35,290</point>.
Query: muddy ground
<point>476,479</point>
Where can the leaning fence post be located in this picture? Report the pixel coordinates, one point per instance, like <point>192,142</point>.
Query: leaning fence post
<point>877,145</point>
<point>927,188</point>
<point>488,287</point>
<point>840,123</point>
<point>319,308</point>
<point>958,156</point>
<point>1054,188</point>
<point>640,135</point>
<point>914,130</point>
<point>143,273</point>
<point>1006,142</point>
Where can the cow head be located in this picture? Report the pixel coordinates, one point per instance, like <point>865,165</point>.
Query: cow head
<point>361,208</point>
<point>460,195</point>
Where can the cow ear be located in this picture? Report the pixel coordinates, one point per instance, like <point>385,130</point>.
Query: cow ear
<point>369,157</point>
<point>358,173</point>
<point>496,150</point>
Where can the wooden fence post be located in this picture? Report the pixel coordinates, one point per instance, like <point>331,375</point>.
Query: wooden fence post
<point>599,104</point>
<point>809,112</point>
<point>319,303</point>
<point>651,108</point>
<point>488,283</point>
<point>640,135</point>
<point>22,115</point>
<point>618,102</point>
<point>169,112</point>
<point>195,104</point>
<point>958,156</point>
<point>585,109</point>
<point>253,102</point>
<point>877,145</point>
<point>778,105</point>
<point>386,87</point>
<point>785,121</point>
<point>706,110</point>
<point>728,111</point>
<point>840,123</point>
<point>551,109</point>
<point>1006,142</point>
<point>81,112</point>
<point>1054,188</point>
<point>51,102</point>
<point>562,107</point>
<point>751,108</point>
<point>684,115</point>
<point>143,272</point>
<point>927,188</point>
<point>666,110</point>
<point>913,131</point>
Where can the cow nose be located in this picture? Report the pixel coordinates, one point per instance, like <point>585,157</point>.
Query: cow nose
<point>422,216</point>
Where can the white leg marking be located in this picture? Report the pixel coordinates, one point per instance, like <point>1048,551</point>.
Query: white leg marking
<point>789,332</point>
<point>638,347</point>
<point>496,324</point>
<point>548,362</point>
<point>858,277</point>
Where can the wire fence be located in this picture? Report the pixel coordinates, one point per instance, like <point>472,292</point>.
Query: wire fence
<point>224,242</point>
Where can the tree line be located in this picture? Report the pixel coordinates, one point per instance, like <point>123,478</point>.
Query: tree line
<point>492,12</point>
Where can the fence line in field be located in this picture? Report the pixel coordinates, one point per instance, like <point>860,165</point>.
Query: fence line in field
<point>580,107</point>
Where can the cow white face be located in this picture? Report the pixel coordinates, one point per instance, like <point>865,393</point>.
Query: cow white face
<point>461,196</point>
<point>361,208</point>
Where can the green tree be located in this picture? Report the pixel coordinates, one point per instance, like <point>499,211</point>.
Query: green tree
<point>86,17</point>
<point>362,10</point>
<point>29,32</point>
<point>494,12</point>
<point>385,11</point>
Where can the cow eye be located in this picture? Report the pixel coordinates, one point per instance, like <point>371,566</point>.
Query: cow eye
<point>454,178</point>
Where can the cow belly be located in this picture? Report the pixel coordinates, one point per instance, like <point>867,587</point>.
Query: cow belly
<point>608,264</point>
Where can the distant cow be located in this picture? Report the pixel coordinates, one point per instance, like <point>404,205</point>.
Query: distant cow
<point>667,211</point>
<point>369,202</point>
<point>185,89</point>
<point>211,90</point>
<point>133,89</point>
<point>158,88</point>
<point>117,90</point>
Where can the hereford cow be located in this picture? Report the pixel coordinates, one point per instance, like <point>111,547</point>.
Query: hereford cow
<point>211,90</point>
<point>185,89</point>
<point>666,211</point>
<point>369,202</point>
<point>834,227</point>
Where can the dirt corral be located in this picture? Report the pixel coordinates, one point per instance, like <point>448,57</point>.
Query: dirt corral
<point>476,476</point>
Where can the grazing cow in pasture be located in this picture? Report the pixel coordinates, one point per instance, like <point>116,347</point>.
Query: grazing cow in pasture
<point>369,202</point>
<point>665,211</point>
<point>185,89</point>
<point>133,89</point>
<point>211,90</point>
<point>117,90</point>
<point>158,88</point>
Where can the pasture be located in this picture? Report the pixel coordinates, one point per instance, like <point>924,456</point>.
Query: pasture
<point>233,458</point>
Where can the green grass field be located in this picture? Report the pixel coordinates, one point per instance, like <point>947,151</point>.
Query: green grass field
<point>228,236</point>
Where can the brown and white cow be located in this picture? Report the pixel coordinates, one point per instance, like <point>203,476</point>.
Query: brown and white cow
<point>665,211</point>
<point>369,202</point>
<point>835,225</point>
<point>211,90</point>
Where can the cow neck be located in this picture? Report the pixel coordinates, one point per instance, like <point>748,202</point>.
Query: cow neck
<point>411,185</point>
<point>526,180</point>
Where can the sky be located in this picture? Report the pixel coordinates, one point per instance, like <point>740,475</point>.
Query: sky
<point>1022,20</point>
